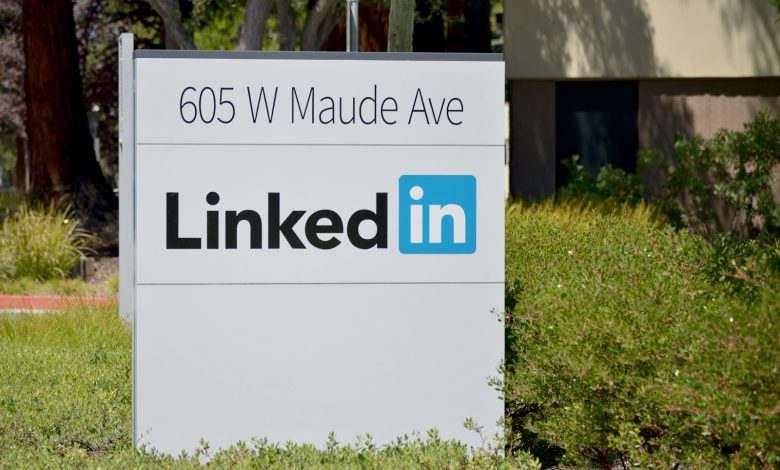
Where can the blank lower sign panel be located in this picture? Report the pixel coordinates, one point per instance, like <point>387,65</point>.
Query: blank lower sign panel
<point>319,246</point>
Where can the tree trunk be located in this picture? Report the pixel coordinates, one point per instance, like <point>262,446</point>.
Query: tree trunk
<point>322,17</point>
<point>401,30</point>
<point>253,29</point>
<point>176,37</point>
<point>285,23</point>
<point>64,168</point>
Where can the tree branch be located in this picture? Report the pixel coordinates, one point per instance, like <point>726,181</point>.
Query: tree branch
<point>320,21</point>
<point>401,29</point>
<point>252,31</point>
<point>285,22</point>
<point>176,37</point>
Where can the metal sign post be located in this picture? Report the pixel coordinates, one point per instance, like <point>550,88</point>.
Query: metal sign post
<point>126,178</point>
<point>352,26</point>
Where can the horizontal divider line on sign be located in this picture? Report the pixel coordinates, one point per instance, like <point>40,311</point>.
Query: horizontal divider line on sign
<point>308,283</point>
<point>318,144</point>
<point>318,55</point>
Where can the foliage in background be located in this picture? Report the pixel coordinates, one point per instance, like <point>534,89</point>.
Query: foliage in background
<point>216,25</point>
<point>65,401</point>
<point>11,85</point>
<point>98,25</point>
<point>736,168</point>
<point>43,243</point>
<point>610,183</point>
<point>623,349</point>
<point>7,159</point>
<point>11,67</point>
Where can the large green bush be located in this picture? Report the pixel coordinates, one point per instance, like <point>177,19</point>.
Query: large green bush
<point>610,183</point>
<point>623,346</point>
<point>40,244</point>
<point>734,169</point>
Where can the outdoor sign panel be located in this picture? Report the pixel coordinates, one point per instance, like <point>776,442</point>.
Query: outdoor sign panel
<point>319,246</point>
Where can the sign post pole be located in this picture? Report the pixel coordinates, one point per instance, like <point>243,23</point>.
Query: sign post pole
<point>352,26</point>
<point>126,178</point>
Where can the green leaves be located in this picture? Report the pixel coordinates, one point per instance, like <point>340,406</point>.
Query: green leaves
<point>610,182</point>
<point>40,244</point>
<point>64,384</point>
<point>623,343</point>
<point>733,168</point>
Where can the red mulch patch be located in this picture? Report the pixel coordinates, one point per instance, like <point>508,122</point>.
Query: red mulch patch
<point>50,302</point>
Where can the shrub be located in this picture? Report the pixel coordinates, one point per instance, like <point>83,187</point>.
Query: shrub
<point>744,266</point>
<point>610,183</point>
<point>733,167</point>
<point>621,348</point>
<point>41,244</point>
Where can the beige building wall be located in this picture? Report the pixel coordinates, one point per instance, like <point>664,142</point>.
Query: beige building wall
<point>699,107</point>
<point>571,39</point>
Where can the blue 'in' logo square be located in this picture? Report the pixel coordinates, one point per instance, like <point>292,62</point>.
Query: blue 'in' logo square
<point>437,214</point>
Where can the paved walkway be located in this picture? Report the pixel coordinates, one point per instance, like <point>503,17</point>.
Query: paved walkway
<point>38,303</point>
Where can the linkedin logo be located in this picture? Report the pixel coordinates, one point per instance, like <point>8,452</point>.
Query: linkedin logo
<point>437,214</point>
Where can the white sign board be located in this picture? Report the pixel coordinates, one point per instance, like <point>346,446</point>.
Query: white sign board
<point>319,246</point>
